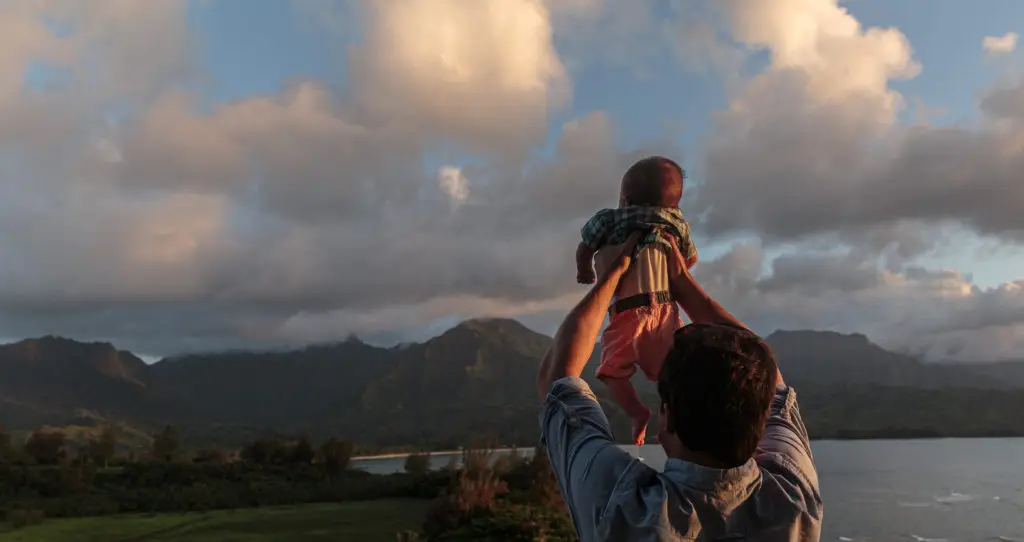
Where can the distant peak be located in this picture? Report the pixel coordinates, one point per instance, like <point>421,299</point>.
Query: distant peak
<point>57,341</point>
<point>492,324</point>
<point>818,335</point>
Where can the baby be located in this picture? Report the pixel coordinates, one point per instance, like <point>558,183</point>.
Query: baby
<point>643,316</point>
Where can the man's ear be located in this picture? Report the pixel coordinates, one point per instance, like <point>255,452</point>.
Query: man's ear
<point>664,414</point>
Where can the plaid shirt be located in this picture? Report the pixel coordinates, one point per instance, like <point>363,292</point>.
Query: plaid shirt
<point>613,226</point>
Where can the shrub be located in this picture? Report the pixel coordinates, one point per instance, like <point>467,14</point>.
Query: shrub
<point>24,518</point>
<point>511,522</point>
<point>418,464</point>
<point>508,461</point>
<point>335,455</point>
<point>474,490</point>
<point>45,447</point>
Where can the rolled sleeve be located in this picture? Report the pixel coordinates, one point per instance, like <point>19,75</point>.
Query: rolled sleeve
<point>582,452</point>
<point>785,448</point>
<point>595,232</point>
<point>686,246</point>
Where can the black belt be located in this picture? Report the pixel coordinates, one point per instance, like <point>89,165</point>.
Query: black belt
<point>640,300</point>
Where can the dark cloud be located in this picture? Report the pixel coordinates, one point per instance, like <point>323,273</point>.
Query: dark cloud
<point>304,215</point>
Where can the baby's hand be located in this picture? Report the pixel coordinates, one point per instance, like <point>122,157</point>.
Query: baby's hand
<point>585,276</point>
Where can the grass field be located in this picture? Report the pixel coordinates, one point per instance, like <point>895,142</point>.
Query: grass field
<point>364,521</point>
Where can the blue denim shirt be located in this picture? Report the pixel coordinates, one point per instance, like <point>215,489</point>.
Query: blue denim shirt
<point>613,496</point>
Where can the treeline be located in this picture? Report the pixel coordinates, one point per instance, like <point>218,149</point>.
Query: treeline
<point>49,447</point>
<point>481,494</point>
<point>47,476</point>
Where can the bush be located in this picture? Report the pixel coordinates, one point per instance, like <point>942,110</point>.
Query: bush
<point>417,464</point>
<point>513,523</point>
<point>533,481</point>
<point>473,491</point>
<point>508,461</point>
<point>335,455</point>
<point>24,518</point>
<point>45,447</point>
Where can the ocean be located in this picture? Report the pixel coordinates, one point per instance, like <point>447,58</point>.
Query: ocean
<point>946,490</point>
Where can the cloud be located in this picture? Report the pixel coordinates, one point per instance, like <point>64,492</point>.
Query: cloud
<point>449,179</point>
<point>997,45</point>
<point>938,314</point>
<point>485,74</point>
<point>454,184</point>
<point>812,145</point>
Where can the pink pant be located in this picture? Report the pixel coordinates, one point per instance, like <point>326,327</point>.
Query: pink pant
<point>640,336</point>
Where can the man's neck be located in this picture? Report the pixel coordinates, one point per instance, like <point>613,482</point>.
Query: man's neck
<point>682,453</point>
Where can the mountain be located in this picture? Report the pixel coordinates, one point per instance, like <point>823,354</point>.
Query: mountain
<point>826,358</point>
<point>271,388</point>
<point>474,380</point>
<point>50,379</point>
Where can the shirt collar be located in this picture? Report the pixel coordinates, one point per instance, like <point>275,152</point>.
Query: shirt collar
<point>715,482</point>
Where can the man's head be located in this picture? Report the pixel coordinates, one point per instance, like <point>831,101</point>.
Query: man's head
<point>656,181</point>
<point>716,387</point>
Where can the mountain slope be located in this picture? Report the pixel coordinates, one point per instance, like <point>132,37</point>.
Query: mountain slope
<point>51,378</point>
<point>271,388</point>
<point>475,380</point>
<point>825,358</point>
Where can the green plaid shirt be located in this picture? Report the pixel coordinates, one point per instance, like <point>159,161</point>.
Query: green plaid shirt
<point>613,226</point>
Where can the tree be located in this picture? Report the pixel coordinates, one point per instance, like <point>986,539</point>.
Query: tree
<point>210,457</point>
<point>45,447</point>
<point>101,450</point>
<point>303,452</point>
<point>266,451</point>
<point>335,454</point>
<point>6,451</point>
<point>165,444</point>
<point>417,464</point>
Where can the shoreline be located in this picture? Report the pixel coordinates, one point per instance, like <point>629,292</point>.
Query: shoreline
<point>397,455</point>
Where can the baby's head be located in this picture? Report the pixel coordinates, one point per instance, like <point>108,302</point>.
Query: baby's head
<point>654,181</point>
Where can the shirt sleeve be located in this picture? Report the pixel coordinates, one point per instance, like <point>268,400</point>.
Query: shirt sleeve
<point>785,448</point>
<point>686,245</point>
<point>595,232</point>
<point>583,455</point>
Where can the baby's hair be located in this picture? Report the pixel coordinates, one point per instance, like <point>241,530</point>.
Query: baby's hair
<point>651,182</point>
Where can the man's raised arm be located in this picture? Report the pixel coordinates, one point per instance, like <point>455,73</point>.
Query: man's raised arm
<point>694,301</point>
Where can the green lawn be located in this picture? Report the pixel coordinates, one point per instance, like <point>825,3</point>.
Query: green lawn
<point>365,521</point>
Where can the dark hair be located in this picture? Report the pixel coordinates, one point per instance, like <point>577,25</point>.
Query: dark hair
<point>655,180</point>
<point>717,383</point>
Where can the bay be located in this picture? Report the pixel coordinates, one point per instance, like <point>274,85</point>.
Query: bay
<point>891,490</point>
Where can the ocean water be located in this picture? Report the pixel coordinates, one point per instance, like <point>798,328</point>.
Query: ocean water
<point>947,490</point>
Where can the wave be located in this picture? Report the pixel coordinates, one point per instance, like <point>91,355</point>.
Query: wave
<point>954,497</point>
<point>906,504</point>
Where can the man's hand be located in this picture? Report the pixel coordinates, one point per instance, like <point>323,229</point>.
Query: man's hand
<point>614,266</point>
<point>585,264</point>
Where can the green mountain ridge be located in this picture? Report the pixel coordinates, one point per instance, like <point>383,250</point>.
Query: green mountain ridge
<point>473,381</point>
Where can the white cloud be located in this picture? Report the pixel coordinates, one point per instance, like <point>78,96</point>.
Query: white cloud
<point>996,45</point>
<point>483,73</point>
<point>453,183</point>
<point>134,209</point>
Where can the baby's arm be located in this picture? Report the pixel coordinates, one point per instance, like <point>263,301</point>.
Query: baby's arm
<point>585,264</point>
<point>592,236</point>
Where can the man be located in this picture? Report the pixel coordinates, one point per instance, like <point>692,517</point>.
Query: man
<point>739,461</point>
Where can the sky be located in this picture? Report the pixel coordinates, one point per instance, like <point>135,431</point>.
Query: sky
<point>195,175</point>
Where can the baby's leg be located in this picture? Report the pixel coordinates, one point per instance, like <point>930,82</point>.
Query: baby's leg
<point>618,363</point>
<point>625,395</point>
<point>658,325</point>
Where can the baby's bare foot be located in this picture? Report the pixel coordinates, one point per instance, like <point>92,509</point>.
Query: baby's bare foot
<point>639,426</point>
